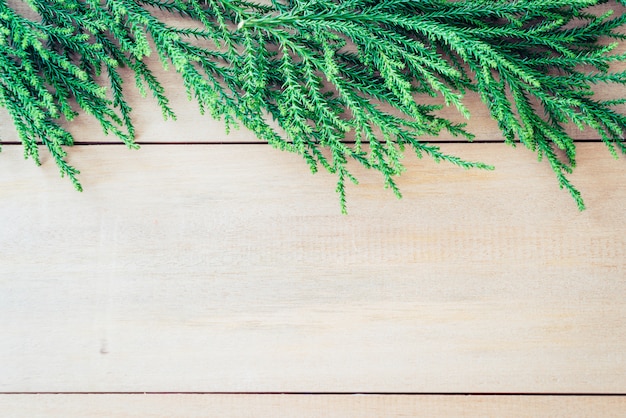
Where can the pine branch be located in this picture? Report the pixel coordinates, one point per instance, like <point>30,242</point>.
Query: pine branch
<point>324,70</point>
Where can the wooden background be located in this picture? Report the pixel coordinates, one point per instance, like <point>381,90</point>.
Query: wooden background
<point>209,275</point>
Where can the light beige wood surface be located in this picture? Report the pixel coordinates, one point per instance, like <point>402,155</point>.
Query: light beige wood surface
<point>229,268</point>
<point>190,126</point>
<point>307,406</point>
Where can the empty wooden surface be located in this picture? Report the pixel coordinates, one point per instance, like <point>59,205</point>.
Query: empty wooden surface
<point>213,263</point>
<point>229,268</point>
<point>309,406</point>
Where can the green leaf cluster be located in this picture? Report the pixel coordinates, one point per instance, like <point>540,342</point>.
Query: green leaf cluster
<point>341,79</point>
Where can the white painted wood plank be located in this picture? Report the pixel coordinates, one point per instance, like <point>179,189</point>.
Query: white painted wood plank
<point>229,268</point>
<point>305,406</point>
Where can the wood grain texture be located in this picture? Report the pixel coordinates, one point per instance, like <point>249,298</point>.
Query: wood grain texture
<point>216,268</point>
<point>191,126</point>
<point>229,268</point>
<point>306,406</point>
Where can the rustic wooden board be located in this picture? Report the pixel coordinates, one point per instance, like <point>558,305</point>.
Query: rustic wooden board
<point>305,406</point>
<point>229,268</point>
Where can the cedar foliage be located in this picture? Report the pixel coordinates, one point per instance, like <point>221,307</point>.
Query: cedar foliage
<point>334,75</point>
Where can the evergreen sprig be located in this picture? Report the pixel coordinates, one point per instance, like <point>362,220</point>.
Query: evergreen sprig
<point>342,79</point>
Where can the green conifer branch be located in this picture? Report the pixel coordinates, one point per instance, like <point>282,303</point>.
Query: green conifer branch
<point>325,71</point>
